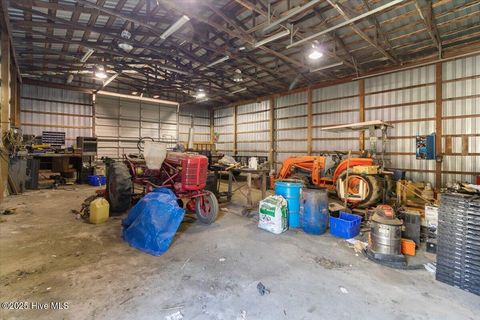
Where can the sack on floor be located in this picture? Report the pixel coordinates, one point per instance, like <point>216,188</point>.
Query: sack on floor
<point>152,223</point>
<point>272,214</point>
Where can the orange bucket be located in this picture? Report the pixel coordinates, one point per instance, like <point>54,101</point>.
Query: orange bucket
<point>408,247</point>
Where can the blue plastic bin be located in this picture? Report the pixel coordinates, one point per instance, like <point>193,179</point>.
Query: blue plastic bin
<point>97,181</point>
<point>346,226</point>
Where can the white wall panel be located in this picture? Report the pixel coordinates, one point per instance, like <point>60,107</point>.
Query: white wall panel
<point>223,125</point>
<point>461,112</point>
<point>51,109</point>
<point>407,100</point>
<point>331,106</point>
<point>120,123</point>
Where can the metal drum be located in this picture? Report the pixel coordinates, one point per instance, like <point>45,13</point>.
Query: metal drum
<point>386,238</point>
<point>291,191</point>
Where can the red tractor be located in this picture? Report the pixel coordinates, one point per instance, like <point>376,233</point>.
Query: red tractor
<point>184,173</point>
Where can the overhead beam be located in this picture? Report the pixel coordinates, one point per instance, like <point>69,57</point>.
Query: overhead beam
<point>345,23</point>
<point>427,18</point>
<point>362,34</point>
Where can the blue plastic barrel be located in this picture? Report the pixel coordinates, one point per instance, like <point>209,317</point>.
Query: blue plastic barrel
<point>291,191</point>
<point>315,211</point>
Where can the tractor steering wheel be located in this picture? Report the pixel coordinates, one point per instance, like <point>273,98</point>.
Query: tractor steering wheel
<point>337,157</point>
<point>141,143</point>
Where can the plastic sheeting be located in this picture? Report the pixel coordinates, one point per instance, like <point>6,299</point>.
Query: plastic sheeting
<point>152,223</point>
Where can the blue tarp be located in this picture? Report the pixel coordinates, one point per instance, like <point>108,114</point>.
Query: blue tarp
<point>152,223</point>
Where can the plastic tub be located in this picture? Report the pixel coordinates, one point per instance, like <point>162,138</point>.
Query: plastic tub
<point>291,191</point>
<point>97,181</point>
<point>346,226</point>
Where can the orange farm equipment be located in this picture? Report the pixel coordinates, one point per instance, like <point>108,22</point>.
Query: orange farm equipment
<point>362,182</point>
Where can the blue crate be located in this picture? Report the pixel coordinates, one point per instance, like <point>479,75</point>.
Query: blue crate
<point>346,226</point>
<point>97,181</point>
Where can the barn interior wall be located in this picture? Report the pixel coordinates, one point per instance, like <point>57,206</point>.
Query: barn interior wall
<point>442,98</point>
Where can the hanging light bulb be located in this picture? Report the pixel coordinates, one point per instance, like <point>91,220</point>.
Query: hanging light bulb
<point>315,53</point>
<point>200,94</point>
<point>237,77</point>
<point>100,72</point>
<point>124,45</point>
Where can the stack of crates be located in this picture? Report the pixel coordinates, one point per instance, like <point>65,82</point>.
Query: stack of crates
<point>458,250</point>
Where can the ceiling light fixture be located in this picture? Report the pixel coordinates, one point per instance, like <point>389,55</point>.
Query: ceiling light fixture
<point>237,77</point>
<point>218,61</point>
<point>174,27</point>
<point>70,78</point>
<point>327,67</point>
<point>274,37</point>
<point>315,54</point>
<point>156,96</point>
<point>100,72</point>
<point>87,55</point>
<point>135,93</point>
<point>123,44</point>
<point>200,94</point>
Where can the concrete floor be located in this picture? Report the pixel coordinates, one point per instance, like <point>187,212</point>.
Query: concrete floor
<point>209,272</point>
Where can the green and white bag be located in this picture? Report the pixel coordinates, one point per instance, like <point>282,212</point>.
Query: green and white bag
<point>272,214</point>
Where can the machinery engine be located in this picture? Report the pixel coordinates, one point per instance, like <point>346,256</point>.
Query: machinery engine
<point>192,168</point>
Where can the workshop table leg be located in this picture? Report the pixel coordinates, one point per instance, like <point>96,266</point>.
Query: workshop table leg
<point>230,183</point>
<point>249,191</point>
<point>264,185</point>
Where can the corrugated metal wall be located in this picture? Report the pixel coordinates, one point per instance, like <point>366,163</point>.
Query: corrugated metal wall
<point>332,106</point>
<point>120,123</point>
<point>407,100</point>
<point>201,125</point>
<point>223,125</point>
<point>51,109</point>
<point>461,118</point>
<point>290,123</point>
<point>252,129</point>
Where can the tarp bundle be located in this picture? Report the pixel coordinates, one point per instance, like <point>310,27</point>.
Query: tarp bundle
<point>152,223</point>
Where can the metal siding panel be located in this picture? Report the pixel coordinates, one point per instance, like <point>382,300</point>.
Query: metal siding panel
<point>462,106</point>
<point>461,68</point>
<point>69,103</point>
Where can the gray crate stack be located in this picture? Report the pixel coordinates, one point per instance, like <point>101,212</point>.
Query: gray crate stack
<point>458,250</point>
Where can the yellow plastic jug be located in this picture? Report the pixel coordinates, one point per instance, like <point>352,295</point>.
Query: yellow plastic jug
<point>99,210</point>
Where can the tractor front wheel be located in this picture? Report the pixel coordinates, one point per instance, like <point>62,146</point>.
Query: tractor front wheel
<point>119,188</point>
<point>206,208</point>
<point>372,184</point>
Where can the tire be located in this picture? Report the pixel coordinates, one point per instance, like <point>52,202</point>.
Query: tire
<point>209,215</point>
<point>119,188</point>
<point>374,189</point>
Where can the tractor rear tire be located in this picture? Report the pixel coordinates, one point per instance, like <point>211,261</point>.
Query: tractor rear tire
<point>206,210</point>
<point>374,189</point>
<point>119,188</point>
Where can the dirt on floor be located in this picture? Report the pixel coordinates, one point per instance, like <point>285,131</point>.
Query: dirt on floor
<point>56,266</point>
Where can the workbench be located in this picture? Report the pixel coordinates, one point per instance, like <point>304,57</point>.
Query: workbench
<point>60,162</point>
<point>248,195</point>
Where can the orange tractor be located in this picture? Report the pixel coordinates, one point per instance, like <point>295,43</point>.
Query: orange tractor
<point>362,182</point>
